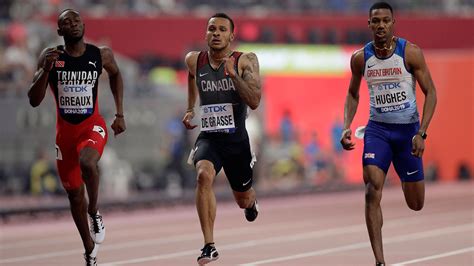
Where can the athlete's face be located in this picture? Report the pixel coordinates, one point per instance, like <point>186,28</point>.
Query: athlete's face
<point>70,26</point>
<point>381,23</point>
<point>219,34</point>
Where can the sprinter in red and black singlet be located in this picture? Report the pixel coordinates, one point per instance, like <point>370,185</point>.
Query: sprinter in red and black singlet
<point>74,83</point>
<point>73,71</point>
<point>228,83</point>
<point>222,109</point>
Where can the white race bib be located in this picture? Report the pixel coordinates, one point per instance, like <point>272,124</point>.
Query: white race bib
<point>75,99</point>
<point>390,97</point>
<point>217,118</point>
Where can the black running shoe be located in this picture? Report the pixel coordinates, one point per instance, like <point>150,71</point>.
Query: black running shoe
<point>380,264</point>
<point>252,213</point>
<point>209,254</point>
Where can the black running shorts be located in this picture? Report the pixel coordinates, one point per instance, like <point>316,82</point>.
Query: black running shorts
<point>235,157</point>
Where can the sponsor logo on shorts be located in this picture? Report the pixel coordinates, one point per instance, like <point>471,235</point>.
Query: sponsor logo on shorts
<point>411,173</point>
<point>369,155</point>
<point>246,183</point>
<point>59,155</point>
<point>99,130</point>
<point>254,160</point>
<point>93,141</point>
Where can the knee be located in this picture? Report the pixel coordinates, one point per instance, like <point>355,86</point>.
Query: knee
<point>372,194</point>
<point>87,165</point>
<point>75,196</point>
<point>205,176</point>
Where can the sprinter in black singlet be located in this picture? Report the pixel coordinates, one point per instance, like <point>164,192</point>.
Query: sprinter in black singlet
<point>227,83</point>
<point>72,72</point>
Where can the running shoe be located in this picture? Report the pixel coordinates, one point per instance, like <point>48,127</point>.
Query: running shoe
<point>209,254</point>
<point>252,212</point>
<point>91,259</point>
<point>97,228</point>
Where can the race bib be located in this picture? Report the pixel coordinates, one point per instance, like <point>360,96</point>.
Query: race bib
<point>217,118</point>
<point>390,97</point>
<point>75,99</point>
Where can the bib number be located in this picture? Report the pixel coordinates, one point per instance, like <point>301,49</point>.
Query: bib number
<point>217,118</point>
<point>390,97</point>
<point>75,99</point>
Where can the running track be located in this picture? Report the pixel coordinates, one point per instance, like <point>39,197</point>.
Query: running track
<point>324,229</point>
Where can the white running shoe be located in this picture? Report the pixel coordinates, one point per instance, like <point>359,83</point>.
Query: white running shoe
<point>97,228</point>
<point>91,259</point>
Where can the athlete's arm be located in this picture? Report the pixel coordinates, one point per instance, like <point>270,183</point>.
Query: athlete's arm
<point>352,98</point>
<point>116,85</point>
<point>191,61</point>
<point>416,63</point>
<point>248,86</point>
<point>38,87</point>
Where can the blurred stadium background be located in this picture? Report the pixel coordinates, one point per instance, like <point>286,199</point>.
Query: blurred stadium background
<point>304,48</point>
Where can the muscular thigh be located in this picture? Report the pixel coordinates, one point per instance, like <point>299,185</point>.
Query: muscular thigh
<point>238,163</point>
<point>207,149</point>
<point>70,140</point>
<point>377,148</point>
<point>409,167</point>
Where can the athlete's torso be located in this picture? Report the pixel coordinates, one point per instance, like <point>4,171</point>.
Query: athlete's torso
<point>391,86</point>
<point>74,82</point>
<point>222,110</point>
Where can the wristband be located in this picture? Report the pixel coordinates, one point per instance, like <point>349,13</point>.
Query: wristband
<point>422,134</point>
<point>119,115</point>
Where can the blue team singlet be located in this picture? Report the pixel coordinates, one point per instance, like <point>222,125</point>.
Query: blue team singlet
<point>394,118</point>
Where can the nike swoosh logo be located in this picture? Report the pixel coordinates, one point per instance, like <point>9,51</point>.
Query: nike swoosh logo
<point>202,74</point>
<point>414,172</point>
<point>93,141</point>
<point>246,183</point>
<point>371,66</point>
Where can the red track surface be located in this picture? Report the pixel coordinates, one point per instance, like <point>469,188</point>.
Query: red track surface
<point>325,229</point>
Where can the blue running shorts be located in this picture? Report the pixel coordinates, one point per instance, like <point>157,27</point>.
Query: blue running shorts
<point>385,143</point>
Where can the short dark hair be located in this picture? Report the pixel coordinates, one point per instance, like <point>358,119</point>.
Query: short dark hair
<point>64,11</point>
<point>380,5</point>
<point>224,15</point>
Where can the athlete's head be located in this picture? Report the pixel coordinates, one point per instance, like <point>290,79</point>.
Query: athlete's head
<point>220,31</point>
<point>70,25</point>
<point>381,21</point>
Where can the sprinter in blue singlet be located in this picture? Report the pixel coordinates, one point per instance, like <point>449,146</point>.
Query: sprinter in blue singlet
<point>391,66</point>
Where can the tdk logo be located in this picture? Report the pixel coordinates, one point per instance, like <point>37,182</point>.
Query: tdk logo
<point>215,109</point>
<point>388,86</point>
<point>75,88</point>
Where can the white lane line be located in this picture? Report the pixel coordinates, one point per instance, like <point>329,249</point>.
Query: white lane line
<point>276,240</point>
<point>402,238</point>
<point>158,241</point>
<point>250,243</point>
<point>43,256</point>
<point>442,255</point>
<point>230,232</point>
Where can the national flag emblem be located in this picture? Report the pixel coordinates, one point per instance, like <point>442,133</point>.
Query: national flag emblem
<point>59,64</point>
